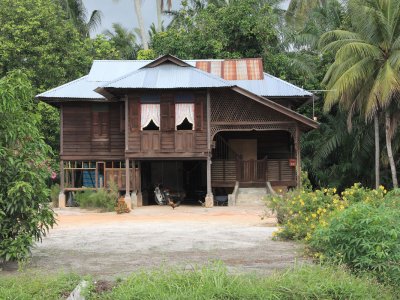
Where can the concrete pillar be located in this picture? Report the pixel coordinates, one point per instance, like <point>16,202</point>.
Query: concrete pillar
<point>61,196</point>
<point>127,199</point>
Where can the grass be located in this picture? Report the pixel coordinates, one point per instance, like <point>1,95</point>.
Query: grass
<point>212,282</point>
<point>34,286</point>
<point>308,282</point>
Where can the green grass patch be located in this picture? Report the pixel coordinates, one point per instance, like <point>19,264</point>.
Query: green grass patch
<point>307,282</point>
<point>32,286</point>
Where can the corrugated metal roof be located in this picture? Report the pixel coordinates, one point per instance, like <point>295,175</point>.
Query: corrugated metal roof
<point>234,69</point>
<point>80,88</point>
<point>104,72</point>
<point>272,86</point>
<point>168,76</point>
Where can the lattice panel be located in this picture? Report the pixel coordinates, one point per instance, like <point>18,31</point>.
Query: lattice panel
<point>261,127</point>
<point>228,106</point>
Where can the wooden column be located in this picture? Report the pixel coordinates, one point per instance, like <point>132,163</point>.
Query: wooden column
<point>209,201</point>
<point>128,199</point>
<point>298,156</point>
<point>139,185</point>
<point>126,123</point>
<point>61,196</point>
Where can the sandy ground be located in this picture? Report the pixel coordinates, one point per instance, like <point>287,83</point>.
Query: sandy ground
<point>107,245</point>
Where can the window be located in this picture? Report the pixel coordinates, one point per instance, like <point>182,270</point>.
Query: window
<point>150,112</point>
<point>184,116</point>
<point>100,122</point>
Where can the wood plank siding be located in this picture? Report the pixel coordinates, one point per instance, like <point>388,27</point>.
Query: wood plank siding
<point>167,142</point>
<point>92,134</point>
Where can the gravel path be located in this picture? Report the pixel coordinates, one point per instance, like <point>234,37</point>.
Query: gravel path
<point>108,245</point>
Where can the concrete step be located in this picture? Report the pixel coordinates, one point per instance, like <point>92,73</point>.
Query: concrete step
<point>251,196</point>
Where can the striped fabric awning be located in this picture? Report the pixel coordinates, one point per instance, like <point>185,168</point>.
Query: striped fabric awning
<point>234,69</point>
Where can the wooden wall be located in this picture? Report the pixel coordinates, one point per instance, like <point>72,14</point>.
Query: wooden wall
<point>167,142</point>
<point>78,136</point>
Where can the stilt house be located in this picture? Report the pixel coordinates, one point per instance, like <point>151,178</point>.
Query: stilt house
<point>200,127</point>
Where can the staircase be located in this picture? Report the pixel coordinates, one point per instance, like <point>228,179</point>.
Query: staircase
<point>251,196</point>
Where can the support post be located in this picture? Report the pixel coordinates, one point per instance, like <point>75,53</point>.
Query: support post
<point>298,156</point>
<point>139,185</point>
<point>209,201</point>
<point>134,186</point>
<point>127,199</point>
<point>61,196</point>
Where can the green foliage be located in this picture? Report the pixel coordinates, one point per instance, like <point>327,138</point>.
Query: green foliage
<point>34,286</point>
<point>240,29</point>
<point>124,41</point>
<point>24,168</point>
<point>365,238</point>
<point>54,193</point>
<point>300,212</point>
<point>103,199</point>
<point>214,282</point>
<point>146,54</point>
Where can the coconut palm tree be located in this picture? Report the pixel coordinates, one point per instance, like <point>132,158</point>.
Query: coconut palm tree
<point>139,17</point>
<point>124,40</point>
<point>160,10</point>
<point>298,10</point>
<point>365,76</point>
<point>77,13</point>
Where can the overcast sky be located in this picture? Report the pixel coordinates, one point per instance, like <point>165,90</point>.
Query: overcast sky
<point>123,12</point>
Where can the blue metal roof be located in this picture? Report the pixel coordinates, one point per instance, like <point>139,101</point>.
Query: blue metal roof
<point>128,73</point>
<point>168,76</point>
<point>80,88</point>
<point>272,86</point>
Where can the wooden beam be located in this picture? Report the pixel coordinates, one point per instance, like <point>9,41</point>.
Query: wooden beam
<point>61,130</point>
<point>298,156</point>
<point>209,201</point>
<point>126,123</point>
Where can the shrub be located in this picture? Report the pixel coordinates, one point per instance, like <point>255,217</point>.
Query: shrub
<point>300,212</point>
<point>365,237</point>
<point>102,199</point>
<point>54,193</point>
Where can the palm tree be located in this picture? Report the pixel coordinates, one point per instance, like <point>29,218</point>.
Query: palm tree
<point>124,40</point>
<point>365,74</point>
<point>139,17</point>
<point>77,13</point>
<point>298,10</point>
<point>160,10</point>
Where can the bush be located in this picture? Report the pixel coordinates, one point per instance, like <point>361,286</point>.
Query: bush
<point>54,193</point>
<point>300,212</point>
<point>102,199</point>
<point>365,237</point>
<point>308,282</point>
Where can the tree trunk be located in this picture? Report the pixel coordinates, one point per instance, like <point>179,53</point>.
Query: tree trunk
<point>139,16</point>
<point>377,150</point>
<point>389,150</point>
<point>159,15</point>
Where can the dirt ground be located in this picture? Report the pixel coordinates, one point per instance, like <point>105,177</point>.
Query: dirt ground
<point>107,245</point>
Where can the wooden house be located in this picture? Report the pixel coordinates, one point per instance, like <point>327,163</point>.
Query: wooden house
<point>199,126</point>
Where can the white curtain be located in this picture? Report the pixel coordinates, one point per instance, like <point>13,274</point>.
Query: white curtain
<point>150,112</point>
<point>182,111</point>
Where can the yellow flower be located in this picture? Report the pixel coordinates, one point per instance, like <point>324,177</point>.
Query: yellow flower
<point>314,215</point>
<point>306,218</point>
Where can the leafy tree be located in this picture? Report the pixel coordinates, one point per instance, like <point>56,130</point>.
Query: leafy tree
<point>365,75</point>
<point>24,213</point>
<point>240,29</point>
<point>36,37</point>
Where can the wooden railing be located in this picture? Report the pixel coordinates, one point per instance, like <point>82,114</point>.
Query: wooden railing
<point>273,170</point>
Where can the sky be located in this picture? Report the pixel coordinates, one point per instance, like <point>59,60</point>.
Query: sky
<point>123,12</point>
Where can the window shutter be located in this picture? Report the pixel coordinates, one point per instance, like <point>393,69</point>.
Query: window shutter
<point>134,114</point>
<point>198,113</point>
<point>171,116</point>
